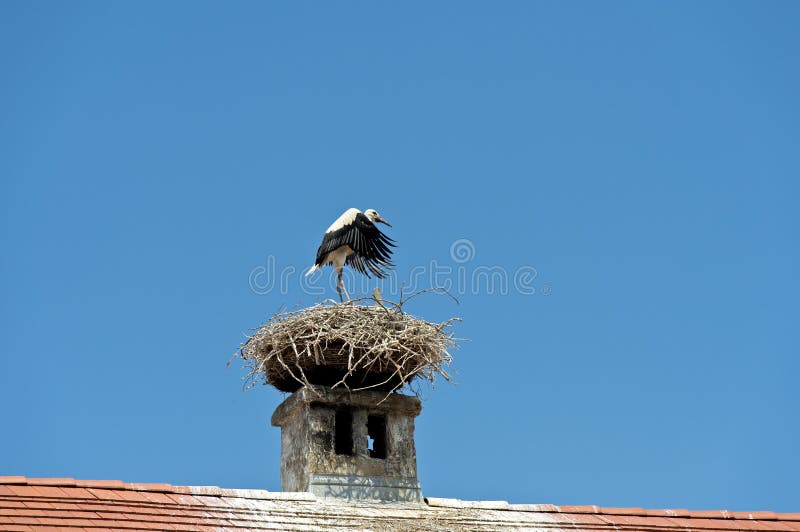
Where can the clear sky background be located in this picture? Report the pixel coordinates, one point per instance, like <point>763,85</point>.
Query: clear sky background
<point>636,161</point>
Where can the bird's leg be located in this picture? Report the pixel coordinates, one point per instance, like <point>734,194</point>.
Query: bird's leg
<point>339,285</point>
<point>345,291</point>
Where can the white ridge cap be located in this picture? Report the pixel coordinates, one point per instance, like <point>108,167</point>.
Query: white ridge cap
<point>216,491</point>
<point>458,503</point>
<point>444,502</point>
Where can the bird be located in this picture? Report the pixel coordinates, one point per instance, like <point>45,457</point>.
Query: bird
<point>355,240</point>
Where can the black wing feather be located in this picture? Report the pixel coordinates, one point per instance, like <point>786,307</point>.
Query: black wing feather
<point>331,242</point>
<point>372,246</point>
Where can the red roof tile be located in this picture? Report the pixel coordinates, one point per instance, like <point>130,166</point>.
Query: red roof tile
<point>107,484</point>
<point>47,481</point>
<point>95,505</point>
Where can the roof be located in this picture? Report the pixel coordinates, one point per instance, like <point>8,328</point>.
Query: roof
<point>93,505</point>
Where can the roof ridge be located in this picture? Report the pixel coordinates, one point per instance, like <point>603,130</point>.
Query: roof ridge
<point>214,491</point>
<point>601,510</point>
<point>257,494</point>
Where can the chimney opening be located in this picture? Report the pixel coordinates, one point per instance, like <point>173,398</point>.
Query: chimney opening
<point>343,432</point>
<point>376,430</point>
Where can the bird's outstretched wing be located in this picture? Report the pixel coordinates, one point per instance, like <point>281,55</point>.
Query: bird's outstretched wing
<point>372,248</point>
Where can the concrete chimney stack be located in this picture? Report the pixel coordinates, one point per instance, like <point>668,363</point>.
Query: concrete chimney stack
<point>350,445</point>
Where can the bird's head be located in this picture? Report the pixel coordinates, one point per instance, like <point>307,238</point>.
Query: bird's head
<point>374,217</point>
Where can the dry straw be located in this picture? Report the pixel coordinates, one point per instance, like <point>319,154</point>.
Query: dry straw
<point>354,345</point>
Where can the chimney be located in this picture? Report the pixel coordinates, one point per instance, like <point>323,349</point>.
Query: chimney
<point>351,445</point>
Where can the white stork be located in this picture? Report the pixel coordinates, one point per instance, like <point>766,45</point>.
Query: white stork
<point>354,239</point>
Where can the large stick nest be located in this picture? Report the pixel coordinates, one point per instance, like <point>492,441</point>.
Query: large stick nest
<point>350,345</point>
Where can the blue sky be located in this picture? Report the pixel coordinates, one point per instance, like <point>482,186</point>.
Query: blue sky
<point>637,161</point>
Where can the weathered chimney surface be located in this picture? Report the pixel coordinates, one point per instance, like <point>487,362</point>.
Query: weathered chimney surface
<point>352,445</point>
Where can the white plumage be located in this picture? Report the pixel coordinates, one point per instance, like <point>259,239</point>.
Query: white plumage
<point>347,218</point>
